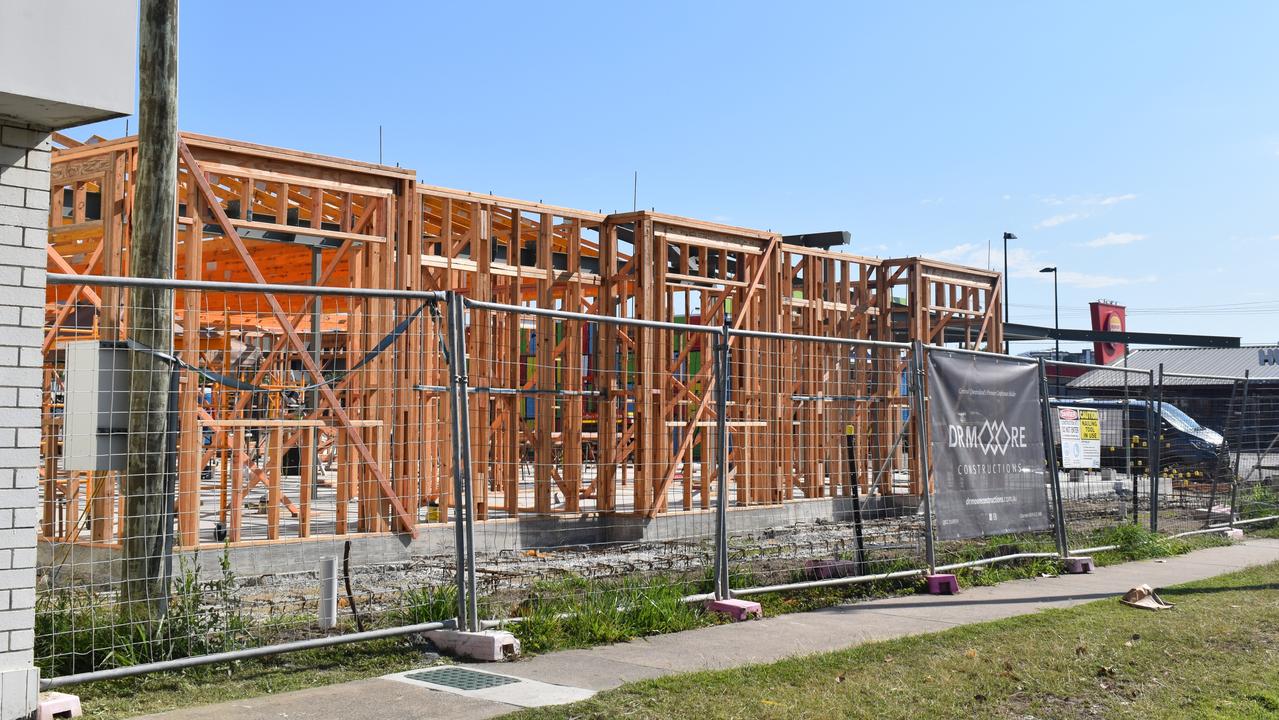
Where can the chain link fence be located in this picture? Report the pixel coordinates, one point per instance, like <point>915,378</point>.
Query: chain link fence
<point>338,465</point>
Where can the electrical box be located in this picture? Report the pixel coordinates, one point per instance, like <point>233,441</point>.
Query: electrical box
<point>96,390</point>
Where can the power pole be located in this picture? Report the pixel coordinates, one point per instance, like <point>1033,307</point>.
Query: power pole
<point>148,500</point>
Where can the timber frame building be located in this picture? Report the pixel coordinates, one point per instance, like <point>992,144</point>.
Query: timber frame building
<point>627,397</point>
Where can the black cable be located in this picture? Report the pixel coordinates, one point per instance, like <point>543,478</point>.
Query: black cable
<point>237,384</point>
<point>346,579</point>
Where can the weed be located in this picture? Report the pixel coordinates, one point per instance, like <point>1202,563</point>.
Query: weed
<point>1260,501</point>
<point>577,612</point>
<point>429,604</point>
<point>81,631</point>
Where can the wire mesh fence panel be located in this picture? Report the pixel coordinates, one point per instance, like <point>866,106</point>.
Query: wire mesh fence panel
<point>1252,440</point>
<point>820,480</point>
<point>1104,477</point>
<point>1217,450</point>
<point>993,494</point>
<point>591,470</point>
<point>235,484</point>
<point>1200,439</point>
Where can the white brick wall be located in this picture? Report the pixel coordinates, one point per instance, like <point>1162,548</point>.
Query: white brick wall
<point>24,206</point>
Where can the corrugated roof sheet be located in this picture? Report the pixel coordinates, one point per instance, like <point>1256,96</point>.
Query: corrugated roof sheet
<point>1219,362</point>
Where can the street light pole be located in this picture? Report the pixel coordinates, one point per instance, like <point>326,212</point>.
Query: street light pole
<point>1056,329</point>
<point>1007,236</point>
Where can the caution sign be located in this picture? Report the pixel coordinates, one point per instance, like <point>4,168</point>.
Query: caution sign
<point>1079,430</point>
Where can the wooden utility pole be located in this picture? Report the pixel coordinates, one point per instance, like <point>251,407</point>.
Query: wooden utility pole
<point>147,500</point>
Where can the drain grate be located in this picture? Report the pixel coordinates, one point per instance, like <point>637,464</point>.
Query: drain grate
<point>461,678</point>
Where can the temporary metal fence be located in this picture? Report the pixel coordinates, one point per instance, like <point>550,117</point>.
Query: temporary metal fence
<point>1219,450</point>
<point>344,465</point>
<point>1119,491</point>
<point>596,470</point>
<point>821,487</point>
<point>302,427</point>
<point>1044,539</point>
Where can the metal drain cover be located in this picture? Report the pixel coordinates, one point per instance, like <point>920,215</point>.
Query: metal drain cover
<point>461,678</point>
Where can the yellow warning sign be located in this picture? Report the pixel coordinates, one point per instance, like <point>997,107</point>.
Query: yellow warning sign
<point>1089,425</point>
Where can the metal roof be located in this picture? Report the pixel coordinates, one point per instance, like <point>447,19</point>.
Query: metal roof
<point>1215,365</point>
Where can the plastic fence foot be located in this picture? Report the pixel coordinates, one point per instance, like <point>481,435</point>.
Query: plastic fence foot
<point>56,704</point>
<point>1078,565</point>
<point>942,584</point>
<point>739,610</point>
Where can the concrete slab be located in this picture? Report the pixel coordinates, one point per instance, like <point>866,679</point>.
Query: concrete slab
<point>373,699</point>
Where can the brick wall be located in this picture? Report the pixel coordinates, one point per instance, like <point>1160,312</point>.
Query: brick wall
<point>24,212</point>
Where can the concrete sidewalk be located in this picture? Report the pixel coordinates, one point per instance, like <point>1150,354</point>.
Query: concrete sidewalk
<point>724,646</point>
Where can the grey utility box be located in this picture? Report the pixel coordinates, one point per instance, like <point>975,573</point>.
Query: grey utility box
<point>96,388</point>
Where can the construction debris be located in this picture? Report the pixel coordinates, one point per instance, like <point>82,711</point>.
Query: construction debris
<point>1144,597</point>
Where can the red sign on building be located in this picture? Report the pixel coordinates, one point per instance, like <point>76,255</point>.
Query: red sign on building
<point>1112,318</point>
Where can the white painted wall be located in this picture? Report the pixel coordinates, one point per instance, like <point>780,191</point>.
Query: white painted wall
<point>67,62</point>
<point>24,232</point>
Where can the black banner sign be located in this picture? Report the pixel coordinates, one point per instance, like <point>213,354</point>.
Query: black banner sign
<point>987,446</point>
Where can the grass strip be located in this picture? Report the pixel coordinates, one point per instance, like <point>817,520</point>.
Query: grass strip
<point>558,614</point>
<point>1213,656</point>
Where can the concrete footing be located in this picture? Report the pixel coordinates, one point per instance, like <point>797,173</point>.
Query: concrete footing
<point>1077,565</point>
<point>55,704</point>
<point>739,610</point>
<point>942,584</point>
<point>99,565</point>
<point>485,646</point>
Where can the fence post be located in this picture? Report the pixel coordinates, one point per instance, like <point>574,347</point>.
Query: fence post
<point>1154,440</point>
<point>921,450</point>
<point>1126,415</point>
<point>463,524</point>
<point>722,370</point>
<point>1054,477</point>
<point>1234,480</point>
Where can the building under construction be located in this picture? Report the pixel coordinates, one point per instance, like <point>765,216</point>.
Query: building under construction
<point>321,416</point>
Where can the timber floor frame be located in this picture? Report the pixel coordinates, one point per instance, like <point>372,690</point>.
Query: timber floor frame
<point>386,440</point>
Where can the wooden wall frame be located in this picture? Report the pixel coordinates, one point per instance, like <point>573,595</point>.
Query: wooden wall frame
<point>645,391</point>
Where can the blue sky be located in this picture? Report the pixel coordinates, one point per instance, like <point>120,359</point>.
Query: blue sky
<point>1134,145</point>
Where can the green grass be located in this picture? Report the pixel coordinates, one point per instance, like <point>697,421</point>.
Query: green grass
<point>1213,656</point>
<point>203,617</point>
<point>82,624</point>
<point>558,614</point>
<point>1268,531</point>
<point>575,612</point>
<point>1137,543</point>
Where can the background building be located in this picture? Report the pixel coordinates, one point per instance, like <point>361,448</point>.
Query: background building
<point>1211,396</point>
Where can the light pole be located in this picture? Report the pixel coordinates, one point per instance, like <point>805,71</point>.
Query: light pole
<point>1007,236</point>
<point>1056,328</point>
